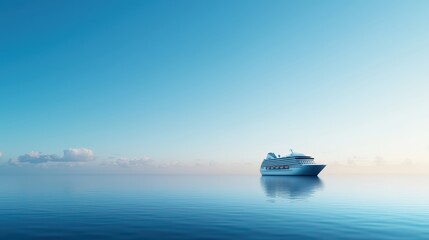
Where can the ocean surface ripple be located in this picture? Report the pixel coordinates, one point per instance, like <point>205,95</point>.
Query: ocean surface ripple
<point>213,207</point>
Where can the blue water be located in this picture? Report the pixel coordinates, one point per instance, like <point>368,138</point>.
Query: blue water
<point>185,207</point>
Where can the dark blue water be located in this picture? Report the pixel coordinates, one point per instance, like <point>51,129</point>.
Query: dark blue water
<point>179,207</point>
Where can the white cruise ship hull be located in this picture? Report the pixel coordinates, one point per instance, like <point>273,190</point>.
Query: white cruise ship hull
<point>303,170</point>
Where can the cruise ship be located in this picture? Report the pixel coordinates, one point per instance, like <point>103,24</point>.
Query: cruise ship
<point>294,164</point>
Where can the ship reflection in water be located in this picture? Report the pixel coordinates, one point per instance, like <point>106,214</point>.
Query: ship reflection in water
<point>290,187</point>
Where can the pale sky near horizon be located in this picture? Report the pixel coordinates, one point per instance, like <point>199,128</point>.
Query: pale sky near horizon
<point>183,84</point>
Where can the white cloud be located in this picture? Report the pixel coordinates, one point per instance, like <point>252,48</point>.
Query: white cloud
<point>1,154</point>
<point>38,157</point>
<point>159,166</point>
<point>78,155</point>
<point>200,162</point>
<point>71,155</point>
<point>131,162</point>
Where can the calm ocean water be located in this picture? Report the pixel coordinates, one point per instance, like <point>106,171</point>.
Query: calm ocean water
<point>185,207</point>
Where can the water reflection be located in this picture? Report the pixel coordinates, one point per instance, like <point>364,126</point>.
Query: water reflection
<point>291,187</point>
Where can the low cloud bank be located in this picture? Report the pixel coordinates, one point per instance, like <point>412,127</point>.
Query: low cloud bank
<point>131,162</point>
<point>71,155</point>
<point>78,155</point>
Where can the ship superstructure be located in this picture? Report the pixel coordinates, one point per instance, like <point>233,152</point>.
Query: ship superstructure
<point>294,164</point>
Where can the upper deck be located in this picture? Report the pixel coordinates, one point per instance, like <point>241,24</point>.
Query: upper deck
<point>292,159</point>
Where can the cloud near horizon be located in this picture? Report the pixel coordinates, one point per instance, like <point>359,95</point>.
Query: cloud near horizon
<point>127,162</point>
<point>130,162</point>
<point>71,155</point>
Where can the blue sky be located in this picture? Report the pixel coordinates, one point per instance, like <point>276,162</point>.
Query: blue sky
<point>214,83</point>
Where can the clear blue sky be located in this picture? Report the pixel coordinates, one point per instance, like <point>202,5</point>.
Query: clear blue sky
<point>217,81</point>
